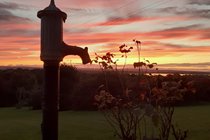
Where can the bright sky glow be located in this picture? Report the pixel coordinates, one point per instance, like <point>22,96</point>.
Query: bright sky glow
<point>171,31</point>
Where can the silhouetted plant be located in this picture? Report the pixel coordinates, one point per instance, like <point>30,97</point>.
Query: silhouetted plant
<point>164,99</point>
<point>105,61</point>
<point>178,133</point>
<point>124,49</point>
<point>128,113</point>
<point>122,113</point>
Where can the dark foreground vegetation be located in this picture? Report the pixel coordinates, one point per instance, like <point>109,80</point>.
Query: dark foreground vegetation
<point>23,87</point>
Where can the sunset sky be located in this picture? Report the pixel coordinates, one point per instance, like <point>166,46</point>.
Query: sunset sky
<point>175,33</point>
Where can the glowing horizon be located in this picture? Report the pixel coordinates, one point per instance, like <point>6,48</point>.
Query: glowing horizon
<point>170,31</point>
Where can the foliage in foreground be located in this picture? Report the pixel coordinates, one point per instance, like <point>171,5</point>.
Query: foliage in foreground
<point>130,112</point>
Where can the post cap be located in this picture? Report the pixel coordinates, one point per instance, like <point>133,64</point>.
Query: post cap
<point>52,10</point>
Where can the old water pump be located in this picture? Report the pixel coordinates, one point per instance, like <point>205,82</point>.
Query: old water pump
<point>53,50</point>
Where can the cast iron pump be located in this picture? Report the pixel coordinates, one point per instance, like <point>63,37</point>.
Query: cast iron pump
<point>53,50</point>
<point>52,44</point>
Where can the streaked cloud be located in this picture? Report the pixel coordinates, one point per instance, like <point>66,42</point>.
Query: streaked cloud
<point>7,16</point>
<point>199,2</point>
<point>7,5</point>
<point>187,11</point>
<point>191,31</point>
<point>175,48</point>
<point>19,32</point>
<point>120,20</point>
<point>202,67</point>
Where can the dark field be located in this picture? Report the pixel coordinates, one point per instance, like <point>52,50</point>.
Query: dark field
<point>24,124</point>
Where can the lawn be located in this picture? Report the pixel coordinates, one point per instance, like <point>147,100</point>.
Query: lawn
<point>24,124</point>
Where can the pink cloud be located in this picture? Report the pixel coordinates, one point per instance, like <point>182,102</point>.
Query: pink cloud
<point>121,21</point>
<point>92,3</point>
<point>131,19</point>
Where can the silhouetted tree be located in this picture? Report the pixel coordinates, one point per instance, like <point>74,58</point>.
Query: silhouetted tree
<point>69,77</point>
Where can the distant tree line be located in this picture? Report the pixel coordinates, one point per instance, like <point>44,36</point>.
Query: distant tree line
<point>23,87</point>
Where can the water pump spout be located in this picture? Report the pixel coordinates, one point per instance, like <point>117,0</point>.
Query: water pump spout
<point>75,50</point>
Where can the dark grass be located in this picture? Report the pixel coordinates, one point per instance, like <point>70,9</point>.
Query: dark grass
<point>196,119</point>
<point>24,124</point>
